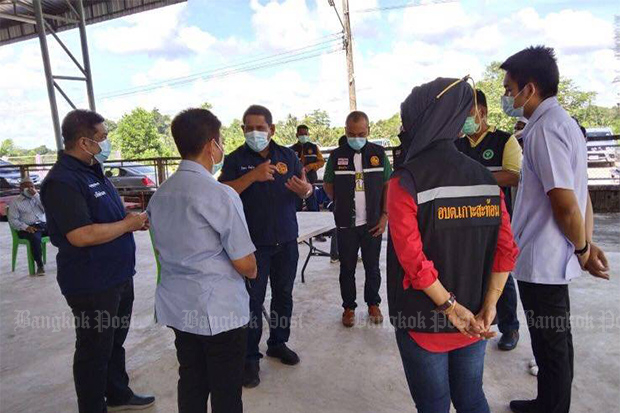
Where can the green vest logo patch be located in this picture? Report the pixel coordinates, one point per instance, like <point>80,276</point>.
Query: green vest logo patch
<point>488,154</point>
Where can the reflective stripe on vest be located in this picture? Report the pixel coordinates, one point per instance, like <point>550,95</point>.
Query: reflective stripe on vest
<point>457,192</point>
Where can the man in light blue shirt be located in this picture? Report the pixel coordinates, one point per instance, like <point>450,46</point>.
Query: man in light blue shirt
<point>552,221</point>
<point>204,247</point>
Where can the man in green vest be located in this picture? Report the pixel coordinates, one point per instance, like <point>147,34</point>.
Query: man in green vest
<point>501,154</point>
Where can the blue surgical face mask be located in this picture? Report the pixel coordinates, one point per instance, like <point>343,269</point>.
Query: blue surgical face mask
<point>303,138</point>
<point>470,127</point>
<point>356,143</point>
<point>257,140</point>
<point>104,153</point>
<point>217,166</point>
<point>508,105</point>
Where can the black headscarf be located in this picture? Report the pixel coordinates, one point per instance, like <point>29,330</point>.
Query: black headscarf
<point>427,120</point>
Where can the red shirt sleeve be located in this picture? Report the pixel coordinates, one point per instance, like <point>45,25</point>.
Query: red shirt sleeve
<point>506,252</point>
<point>420,272</point>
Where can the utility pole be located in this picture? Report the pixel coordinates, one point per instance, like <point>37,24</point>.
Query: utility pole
<point>348,44</point>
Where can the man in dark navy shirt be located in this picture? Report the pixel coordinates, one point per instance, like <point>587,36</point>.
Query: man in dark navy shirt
<point>269,178</point>
<point>96,259</point>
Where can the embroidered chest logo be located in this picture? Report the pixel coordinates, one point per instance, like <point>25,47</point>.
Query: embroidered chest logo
<point>281,168</point>
<point>488,154</point>
<point>374,161</point>
<point>309,151</point>
<point>93,185</point>
<point>99,194</point>
<point>343,161</point>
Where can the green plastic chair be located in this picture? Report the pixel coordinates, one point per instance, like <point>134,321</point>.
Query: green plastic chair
<point>156,253</point>
<point>17,241</point>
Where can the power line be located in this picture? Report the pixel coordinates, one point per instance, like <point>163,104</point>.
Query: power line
<point>325,45</point>
<point>286,57</point>
<point>403,6</point>
<point>226,73</point>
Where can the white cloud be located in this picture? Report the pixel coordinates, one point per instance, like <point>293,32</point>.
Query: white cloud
<point>162,69</point>
<point>159,31</point>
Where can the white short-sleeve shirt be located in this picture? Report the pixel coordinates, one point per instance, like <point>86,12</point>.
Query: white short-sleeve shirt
<point>554,156</point>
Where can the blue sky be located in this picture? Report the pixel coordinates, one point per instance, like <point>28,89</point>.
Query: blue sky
<point>394,51</point>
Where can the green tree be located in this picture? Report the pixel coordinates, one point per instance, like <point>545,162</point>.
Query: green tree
<point>7,148</point>
<point>386,128</point>
<point>138,135</point>
<point>232,136</point>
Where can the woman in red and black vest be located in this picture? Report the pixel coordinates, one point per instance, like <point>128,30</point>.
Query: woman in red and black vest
<point>449,253</point>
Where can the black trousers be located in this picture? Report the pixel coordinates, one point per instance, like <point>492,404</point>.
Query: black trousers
<point>211,365</point>
<point>102,323</point>
<point>35,241</point>
<point>507,319</point>
<point>350,240</point>
<point>547,310</point>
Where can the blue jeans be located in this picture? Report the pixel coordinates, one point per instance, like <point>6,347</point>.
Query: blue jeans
<point>435,379</point>
<point>278,264</point>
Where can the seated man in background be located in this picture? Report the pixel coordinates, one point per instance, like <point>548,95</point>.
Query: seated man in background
<point>205,252</point>
<point>27,217</point>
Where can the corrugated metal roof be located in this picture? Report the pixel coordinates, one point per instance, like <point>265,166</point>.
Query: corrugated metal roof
<point>95,11</point>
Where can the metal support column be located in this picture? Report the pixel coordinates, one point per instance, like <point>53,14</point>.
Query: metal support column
<point>38,11</point>
<point>89,78</point>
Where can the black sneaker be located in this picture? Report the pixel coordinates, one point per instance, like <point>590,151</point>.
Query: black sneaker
<point>508,341</point>
<point>40,270</point>
<point>285,354</point>
<point>524,406</point>
<point>250,374</point>
<point>137,402</point>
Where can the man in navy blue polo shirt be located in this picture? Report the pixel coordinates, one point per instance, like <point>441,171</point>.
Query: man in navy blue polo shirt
<point>269,178</point>
<point>96,259</point>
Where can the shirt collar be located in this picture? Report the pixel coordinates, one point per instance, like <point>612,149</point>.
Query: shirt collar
<point>490,129</point>
<point>74,163</point>
<point>191,166</point>
<point>541,110</point>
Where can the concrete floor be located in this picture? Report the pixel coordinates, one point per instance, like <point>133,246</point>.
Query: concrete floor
<point>342,370</point>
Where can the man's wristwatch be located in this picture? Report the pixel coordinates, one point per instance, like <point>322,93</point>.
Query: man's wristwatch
<point>583,250</point>
<point>448,304</point>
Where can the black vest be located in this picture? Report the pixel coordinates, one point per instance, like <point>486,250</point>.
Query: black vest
<point>373,164</point>
<point>459,215</point>
<point>307,154</point>
<point>490,153</point>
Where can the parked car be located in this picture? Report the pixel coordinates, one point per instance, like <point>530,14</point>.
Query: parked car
<point>131,177</point>
<point>10,178</point>
<point>602,147</point>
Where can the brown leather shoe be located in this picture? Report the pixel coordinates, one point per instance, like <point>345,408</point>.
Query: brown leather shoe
<point>374,313</point>
<point>348,317</point>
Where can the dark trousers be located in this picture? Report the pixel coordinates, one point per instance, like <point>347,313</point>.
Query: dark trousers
<point>211,365</point>
<point>35,241</point>
<point>102,323</point>
<point>333,245</point>
<point>507,320</point>
<point>278,264</point>
<point>350,240</point>
<point>547,310</point>
<point>435,379</point>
